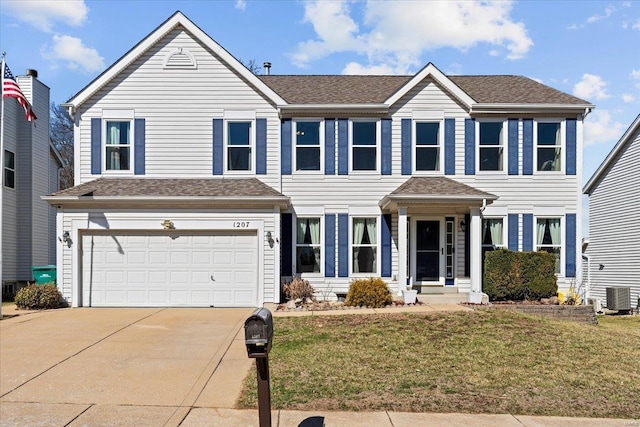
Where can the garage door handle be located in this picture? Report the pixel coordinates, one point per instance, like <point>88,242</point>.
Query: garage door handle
<point>212,279</point>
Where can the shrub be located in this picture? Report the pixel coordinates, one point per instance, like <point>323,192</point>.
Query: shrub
<point>298,288</point>
<point>371,292</point>
<point>33,297</point>
<point>510,275</point>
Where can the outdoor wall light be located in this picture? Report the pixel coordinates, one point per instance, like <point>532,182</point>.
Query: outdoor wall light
<point>66,238</point>
<point>270,238</point>
<point>463,226</point>
<point>167,224</point>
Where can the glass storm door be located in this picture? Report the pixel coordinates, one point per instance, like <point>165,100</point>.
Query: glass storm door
<point>427,251</point>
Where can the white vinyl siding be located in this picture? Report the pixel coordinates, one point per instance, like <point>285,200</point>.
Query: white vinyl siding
<point>614,225</point>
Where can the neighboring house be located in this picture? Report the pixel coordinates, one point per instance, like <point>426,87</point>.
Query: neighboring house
<point>614,225</point>
<point>30,171</point>
<point>199,183</point>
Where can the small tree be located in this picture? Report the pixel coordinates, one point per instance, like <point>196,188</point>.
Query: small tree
<point>61,135</point>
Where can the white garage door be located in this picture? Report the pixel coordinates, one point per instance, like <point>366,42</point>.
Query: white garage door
<point>160,270</point>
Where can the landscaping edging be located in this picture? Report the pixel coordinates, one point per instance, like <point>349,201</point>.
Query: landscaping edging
<point>574,313</point>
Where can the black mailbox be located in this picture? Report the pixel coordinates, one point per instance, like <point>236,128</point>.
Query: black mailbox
<point>258,333</point>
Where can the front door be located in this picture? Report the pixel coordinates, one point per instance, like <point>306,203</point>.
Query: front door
<point>427,254</point>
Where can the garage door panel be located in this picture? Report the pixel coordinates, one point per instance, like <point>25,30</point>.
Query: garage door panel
<point>177,270</point>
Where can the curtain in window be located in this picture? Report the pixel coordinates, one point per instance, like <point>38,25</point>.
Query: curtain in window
<point>554,227</point>
<point>314,230</point>
<point>301,230</point>
<point>358,233</point>
<point>540,231</point>
<point>496,231</point>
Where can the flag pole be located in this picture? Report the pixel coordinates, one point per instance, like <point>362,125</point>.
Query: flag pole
<point>2,181</point>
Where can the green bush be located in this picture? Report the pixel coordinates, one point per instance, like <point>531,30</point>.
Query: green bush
<point>371,292</point>
<point>510,275</point>
<point>33,297</point>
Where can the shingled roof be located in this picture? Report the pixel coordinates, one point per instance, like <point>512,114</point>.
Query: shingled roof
<point>338,89</point>
<point>434,190</point>
<point>211,190</point>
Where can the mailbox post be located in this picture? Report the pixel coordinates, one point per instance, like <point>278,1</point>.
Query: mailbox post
<point>258,334</point>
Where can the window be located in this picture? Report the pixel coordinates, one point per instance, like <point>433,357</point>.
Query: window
<point>308,245</point>
<point>307,140</point>
<point>548,237</point>
<point>491,146</point>
<point>364,146</point>
<point>549,147</point>
<point>364,245</point>
<point>239,146</point>
<point>118,146</point>
<point>427,146</point>
<point>9,169</point>
<point>492,236</point>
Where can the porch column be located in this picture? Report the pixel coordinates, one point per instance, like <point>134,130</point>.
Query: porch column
<point>476,256</point>
<point>402,250</point>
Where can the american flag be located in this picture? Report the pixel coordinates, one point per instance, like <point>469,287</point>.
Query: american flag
<point>10,89</point>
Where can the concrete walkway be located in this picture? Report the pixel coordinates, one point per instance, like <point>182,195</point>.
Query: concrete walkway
<point>169,367</point>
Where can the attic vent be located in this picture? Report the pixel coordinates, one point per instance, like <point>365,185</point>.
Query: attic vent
<point>180,58</point>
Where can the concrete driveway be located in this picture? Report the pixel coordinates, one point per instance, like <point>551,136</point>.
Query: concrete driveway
<point>107,366</point>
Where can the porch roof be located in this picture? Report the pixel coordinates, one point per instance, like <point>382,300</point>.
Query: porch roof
<point>437,190</point>
<point>176,192</point>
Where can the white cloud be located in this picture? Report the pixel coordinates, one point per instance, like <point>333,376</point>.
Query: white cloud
<point>396,33</point>
<point>600,127</point>
<point>636,24</point>
<point>595,18</point>
<point>591,87</point>
<point>43,14</point>
<point>537,80</point>
<point>635,74</point>
<point>241,4</point>
<point>353,68</point>
<point>74,54</point>
<point>627,97</point>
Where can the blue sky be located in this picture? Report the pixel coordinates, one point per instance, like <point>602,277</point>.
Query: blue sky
<point>590,49</point>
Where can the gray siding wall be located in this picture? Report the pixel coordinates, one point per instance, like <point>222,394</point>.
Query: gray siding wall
<point>614,225</point>
<point>10,196</point>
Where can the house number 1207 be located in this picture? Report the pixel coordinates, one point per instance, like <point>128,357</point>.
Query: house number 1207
<point>240,224</point>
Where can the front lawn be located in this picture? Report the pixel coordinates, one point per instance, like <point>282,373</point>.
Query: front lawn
<point>486,361</point>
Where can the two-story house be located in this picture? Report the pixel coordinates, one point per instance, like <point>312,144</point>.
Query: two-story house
<point>30,170</point>
<point>199,183</point>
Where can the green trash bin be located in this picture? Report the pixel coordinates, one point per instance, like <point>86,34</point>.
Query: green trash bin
<point>44,274</point>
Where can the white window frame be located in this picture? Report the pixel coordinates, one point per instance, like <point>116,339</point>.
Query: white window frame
<point>320,245</point>
<point>562,244</point>
<point>294,130</point>
<point>503,144</point>
<point>132,132</point>
<point>6,169</point>
<point>352,146</point>
<point>440,146</point>
<point>252,146</point>
<point>563,144</point>
<point>377,246</point>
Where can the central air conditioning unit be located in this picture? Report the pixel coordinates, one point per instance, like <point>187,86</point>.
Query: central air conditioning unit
<point>619,299</point>
<point>596,303</point>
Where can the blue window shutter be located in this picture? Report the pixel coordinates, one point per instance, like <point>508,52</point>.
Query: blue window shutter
<point>449,146</point>
<point>139,146</point>
<point>329,147</point>
<point>512,135</point>
<point>287,245</point>
<point>527,147</point>
<point>96,146</point>
<point>570,252</point>
<point>261,146</point>
<point>467,246</point>
<point>571,146</point>
<point>385,220</point>
<point>218,147</point>
<point>343,245</point>
<point>343,147</point>
<point>385,126</point>
<point>330,245</point>
<point>469,147</point>
<point>285,147</point>
<point>527,232</point>
<point>513,232</point>
<point>405,135</point>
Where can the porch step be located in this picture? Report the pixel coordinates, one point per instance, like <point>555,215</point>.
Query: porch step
<point>438,290</point>
<point>436,299</point>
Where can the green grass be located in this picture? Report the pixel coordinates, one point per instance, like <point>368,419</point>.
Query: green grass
<point>488,361</point>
